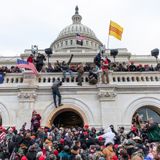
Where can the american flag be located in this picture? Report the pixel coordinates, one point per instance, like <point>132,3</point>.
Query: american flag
<point>79,37</point>
<point>24,64</point>
<point>2,137</point>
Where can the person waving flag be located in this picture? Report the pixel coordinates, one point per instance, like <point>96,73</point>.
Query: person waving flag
<point>24,64</point>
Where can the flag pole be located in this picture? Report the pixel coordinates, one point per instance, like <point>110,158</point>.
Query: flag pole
<point>108,36</point>
<point>108,42</point>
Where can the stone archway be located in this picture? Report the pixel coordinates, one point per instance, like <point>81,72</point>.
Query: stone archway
<point>67,118</point>
<point>154,104</point>
<point>4,115</point>
<point>148,112</point>
<point>63,109</point>
<point>70,104</point>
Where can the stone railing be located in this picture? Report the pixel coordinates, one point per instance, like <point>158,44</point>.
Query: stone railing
<point>114,78</point>
<point>134,77</point>
<point>51,77</point>
<point>42,78</point>
<point>13,78</point>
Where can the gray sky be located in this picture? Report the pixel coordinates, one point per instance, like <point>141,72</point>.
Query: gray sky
<point>27,22</point>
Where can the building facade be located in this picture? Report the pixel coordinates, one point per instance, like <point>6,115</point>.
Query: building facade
<point>97,105</point>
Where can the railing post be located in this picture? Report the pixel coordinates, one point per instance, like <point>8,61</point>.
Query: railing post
<point>110,76</point>
<point>29,77</point>
<point>100,77</point>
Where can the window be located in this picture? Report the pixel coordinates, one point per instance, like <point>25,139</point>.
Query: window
<point>66,42</point>
<point>146,113</point>
<point>71,42</point>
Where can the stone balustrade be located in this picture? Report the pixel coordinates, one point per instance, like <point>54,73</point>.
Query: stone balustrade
<point>51,77</point>
<point>134,77</point>
<point>14,78</point>
<point>114,78</point>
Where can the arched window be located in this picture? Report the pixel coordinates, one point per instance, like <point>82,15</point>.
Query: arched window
<point>146,113</point>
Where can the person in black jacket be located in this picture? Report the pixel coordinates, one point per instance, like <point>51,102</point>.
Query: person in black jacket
<point>40,61</point>
<point>56,92</point>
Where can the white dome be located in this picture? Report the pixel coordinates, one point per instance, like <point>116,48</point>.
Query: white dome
<point>67,37</point>
<point>73,29</point>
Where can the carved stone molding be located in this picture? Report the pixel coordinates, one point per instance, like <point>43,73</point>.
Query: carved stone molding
<point>26,96</point>
<point>106,95</point>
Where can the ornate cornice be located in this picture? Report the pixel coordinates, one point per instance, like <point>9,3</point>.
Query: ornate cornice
<point>105,95</point>
<point>27,96</point>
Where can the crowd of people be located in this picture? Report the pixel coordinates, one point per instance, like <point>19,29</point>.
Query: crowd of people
<point>100,64</point>
<point>141,142</point>
<point>41,66</point>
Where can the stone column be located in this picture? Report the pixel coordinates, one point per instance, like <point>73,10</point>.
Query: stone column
<point>27,98</point>
<point>107,98</point>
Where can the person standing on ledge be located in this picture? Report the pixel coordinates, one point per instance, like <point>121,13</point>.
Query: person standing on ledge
<point>56,92</point>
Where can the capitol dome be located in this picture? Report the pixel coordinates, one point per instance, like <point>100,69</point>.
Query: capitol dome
<point>67,38</point>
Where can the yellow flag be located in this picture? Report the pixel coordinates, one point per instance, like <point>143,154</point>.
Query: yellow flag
<point>115,30</point>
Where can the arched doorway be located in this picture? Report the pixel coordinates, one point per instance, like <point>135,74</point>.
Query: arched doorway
<point>68,119</point>
<point>148,112</point>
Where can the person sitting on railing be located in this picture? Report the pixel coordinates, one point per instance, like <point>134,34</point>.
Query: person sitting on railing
<point>80,71</point>
<point>57,67</point>
<point>105,64</point>
<point>65,67</point>
<point>92,77</point>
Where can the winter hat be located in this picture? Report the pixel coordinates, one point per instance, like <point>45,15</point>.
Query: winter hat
<point>41,158</point>
<point>100,139</point>
<point>61,141</point>
<point>55,152</point>
<point>114,158</point>
<point>86,126</point>
<point>24,158</point>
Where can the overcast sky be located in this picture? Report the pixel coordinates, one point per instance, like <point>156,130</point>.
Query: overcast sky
<point>27,22</point>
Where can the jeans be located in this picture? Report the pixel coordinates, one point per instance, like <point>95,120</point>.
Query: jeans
<point>69,71</point>
<point>55,95</point>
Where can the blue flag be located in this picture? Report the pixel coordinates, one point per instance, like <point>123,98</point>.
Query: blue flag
<point>1,78</point>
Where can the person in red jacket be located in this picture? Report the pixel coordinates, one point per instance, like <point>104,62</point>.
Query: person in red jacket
<point>35,121</point>
<point>105,67</point>
<point>30,58</point>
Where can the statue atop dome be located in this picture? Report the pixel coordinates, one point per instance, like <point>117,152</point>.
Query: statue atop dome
<point>76,17</point>
<point>76,10</point>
